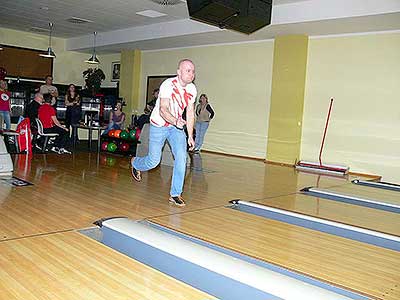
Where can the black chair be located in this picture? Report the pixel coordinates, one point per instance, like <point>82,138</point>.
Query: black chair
<point>46,136</point>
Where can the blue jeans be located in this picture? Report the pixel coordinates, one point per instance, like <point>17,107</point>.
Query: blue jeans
<point>110,126</point>
<point>201,128</point>
<point>177,141</point>
<point>6,118</point>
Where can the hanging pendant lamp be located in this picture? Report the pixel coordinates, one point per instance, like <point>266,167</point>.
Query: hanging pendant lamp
<point>49,53</point>
<point>93,59</point>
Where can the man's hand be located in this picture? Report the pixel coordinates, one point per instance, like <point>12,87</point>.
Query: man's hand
<point>63,127</point>
<point>191,143</point>
<point>180,123</point>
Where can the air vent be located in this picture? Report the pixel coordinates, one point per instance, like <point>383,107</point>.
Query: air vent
<point>168,2</point>
<point>39,29</point>
<point>76,20</point>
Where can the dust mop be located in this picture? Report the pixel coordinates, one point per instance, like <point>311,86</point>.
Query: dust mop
<point>320,167</point>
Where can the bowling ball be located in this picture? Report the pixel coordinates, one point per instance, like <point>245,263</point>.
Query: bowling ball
<point>104,146</point>
<point>111,147</point>
<point>124,135</point>
<point>138,131</point>
<point>103,160</point>
<point>111,161</point>
<point>117,133</point>
<point>111,133</point>
<point>132,134</point>
<point>124,147</point>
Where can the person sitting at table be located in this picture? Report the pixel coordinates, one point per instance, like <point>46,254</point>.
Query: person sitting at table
<point>145,118</point>
<point>117,119</point>
<point>32,111</point>
<point>47,115</point>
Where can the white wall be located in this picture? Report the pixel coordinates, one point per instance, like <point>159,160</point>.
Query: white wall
<point>237,80</point>
<point>362,73</point>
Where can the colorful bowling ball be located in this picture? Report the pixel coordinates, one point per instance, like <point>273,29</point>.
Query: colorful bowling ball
<point>138,131</point>
<point>124,147</point>
<point>111,133</point>
<point>117,133</point>
<point>132,134</point>
<point>104,146</point>
<point>103,160</point>
<point>111,147</point>
<point>124,135</point>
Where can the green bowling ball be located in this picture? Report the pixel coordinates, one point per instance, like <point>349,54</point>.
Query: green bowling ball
<point>111,161</point>
<point>124,135</point>
<point>112,147</point>
<point>132,134</point>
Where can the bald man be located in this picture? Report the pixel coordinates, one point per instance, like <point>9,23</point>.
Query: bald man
<point>166,123</point>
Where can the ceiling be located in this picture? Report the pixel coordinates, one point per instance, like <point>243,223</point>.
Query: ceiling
<point>120,27</point>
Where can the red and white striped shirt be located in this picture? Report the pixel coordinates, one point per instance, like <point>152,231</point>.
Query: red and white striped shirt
<point>179,97</point>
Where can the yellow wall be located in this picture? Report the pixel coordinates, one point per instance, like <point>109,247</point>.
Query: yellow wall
<point>130,79</point>
<point>362,73</point>
<point>237,79</point>
<point>68,65</point>
<point>287,98</point>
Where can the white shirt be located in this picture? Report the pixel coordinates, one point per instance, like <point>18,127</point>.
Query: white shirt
<point>47,89</point>
<point>179,97</point>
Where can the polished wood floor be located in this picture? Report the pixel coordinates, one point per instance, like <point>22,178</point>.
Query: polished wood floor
<point>356,266</point>
<point>363,217</point>
<point>71,192</point>
<point>71,266</point>
<point>385,196</point>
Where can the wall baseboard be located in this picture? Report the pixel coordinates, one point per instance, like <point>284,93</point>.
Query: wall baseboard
<point>233,155</point>
<point>371,176</point>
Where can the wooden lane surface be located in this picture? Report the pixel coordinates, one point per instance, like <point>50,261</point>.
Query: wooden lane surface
<point>386,196</point>
<point>364,217</point>
<point>72,191</point>
<point>356,266</point>
<point>72,266</point>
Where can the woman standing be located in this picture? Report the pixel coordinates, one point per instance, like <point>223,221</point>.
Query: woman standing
<point>5,107</point>
<point>73,104</point>
<point>204,113</point>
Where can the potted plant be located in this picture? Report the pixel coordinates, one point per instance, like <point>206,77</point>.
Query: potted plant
<point>93,78</point>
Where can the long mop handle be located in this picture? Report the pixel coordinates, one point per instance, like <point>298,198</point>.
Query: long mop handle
<point>326,128</point>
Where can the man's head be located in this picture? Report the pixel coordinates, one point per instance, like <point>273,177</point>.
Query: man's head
<point>155,93</point>
<point>47,98</point>
<point>186,71</point>
<point>38,98</point>
<point>49,79</point>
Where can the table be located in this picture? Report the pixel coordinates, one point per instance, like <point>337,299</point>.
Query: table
<point>90,129</point>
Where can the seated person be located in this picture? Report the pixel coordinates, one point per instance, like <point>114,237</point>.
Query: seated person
<point>32,111</point>
<point>145,118</point>
<point>47,115</point>
<point>117,119</point>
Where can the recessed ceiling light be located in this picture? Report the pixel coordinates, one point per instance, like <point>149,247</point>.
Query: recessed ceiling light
<point>151,13</point>
<point>39,29</point>
<point>77,20</point>
<point>44,8</point>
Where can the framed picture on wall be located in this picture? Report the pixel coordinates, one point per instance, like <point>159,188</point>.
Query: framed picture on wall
<point>115,70</point>
<point>154,82</point>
